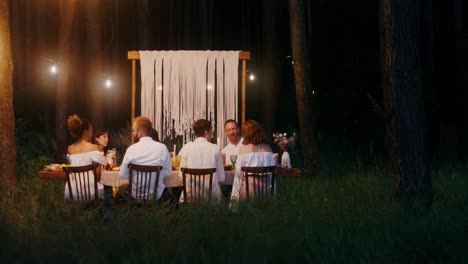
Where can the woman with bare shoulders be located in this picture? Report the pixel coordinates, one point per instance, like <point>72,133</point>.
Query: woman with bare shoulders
<point>82,152</point>
<point>254,153</point>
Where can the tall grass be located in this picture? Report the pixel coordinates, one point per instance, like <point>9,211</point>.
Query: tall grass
<point>349,215</point>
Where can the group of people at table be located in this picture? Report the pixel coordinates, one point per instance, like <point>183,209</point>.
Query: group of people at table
<point>250,150</point>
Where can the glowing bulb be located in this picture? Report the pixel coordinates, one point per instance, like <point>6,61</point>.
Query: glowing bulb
<point>252,77</point>
<point>53,69</point>
<point>209,87</point>
<point>108,83</point>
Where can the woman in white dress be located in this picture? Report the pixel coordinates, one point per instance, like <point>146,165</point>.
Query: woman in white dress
<point>82,152</point>
<point>254,153</point>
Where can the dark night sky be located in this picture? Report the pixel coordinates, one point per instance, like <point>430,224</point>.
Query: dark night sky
<point>344,43</point>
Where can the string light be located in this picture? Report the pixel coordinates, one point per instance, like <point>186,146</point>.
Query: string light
<point>53,69</point>
<point>108,83</point>
<point>252,77</point>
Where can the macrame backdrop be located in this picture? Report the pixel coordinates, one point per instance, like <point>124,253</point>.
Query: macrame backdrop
<point>180,87</point>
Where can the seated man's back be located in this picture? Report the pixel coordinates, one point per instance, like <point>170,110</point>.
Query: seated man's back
<point>146,152</point>
<point>202,154</point>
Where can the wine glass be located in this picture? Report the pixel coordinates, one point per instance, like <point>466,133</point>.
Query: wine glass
<point>233,159</point>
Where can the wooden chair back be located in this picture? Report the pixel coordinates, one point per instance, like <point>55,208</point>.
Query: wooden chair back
<point>142,180</point>
<point>84,180</point>
<point>196,179</point>
<point>259,181</point>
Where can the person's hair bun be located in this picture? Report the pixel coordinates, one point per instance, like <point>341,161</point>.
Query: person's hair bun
<point>75,126</point>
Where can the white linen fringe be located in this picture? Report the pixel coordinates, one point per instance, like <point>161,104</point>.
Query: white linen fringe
<point>178,88</point>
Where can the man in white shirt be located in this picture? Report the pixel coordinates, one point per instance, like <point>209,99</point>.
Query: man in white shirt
<point>202,154</point>
<point>146,151</point>
<point>235,140</point>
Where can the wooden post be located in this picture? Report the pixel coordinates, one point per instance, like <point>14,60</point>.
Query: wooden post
<point>244,73</point>
<point>133,89</point>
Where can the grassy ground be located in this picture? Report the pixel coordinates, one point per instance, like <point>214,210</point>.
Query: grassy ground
<point>349,215</point>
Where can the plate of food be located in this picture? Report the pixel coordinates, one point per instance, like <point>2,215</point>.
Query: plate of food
<point>53,167</point>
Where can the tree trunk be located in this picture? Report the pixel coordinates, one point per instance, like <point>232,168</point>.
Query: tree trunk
<point>93,59</point>
<point>206,22</point>
<point>67,12</point>
<point>270,65</point>
<point>144,25</point>
<point>461,57</point>
<point>403,103</point>
<point>7,117</point>
<point>303,81</point>
<point>429,80</point>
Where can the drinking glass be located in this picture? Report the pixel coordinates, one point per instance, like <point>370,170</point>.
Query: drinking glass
<point>177,162</point>
<point>233,159</point>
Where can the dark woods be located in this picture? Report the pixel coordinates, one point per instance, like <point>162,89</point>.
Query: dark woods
<point>384,75</point>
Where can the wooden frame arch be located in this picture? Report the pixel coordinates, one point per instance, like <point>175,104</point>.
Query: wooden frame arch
<point>134,55</point>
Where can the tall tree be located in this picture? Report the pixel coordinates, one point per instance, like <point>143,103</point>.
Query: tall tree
<point>403,102</point>
<point>94,60</point>
<point>303,81</point>
<point>270,63</point>
<point>429,80</point>
<point>7,117</point>
<point>461,50</point>
<point>67,13</point>
<point>144,25</point>
<point>206,24</point>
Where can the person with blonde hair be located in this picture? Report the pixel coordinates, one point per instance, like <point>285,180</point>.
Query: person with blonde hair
<point>253,153</point>
<point>235,140</point>
<point>146,151</point>
<point>82,152</point>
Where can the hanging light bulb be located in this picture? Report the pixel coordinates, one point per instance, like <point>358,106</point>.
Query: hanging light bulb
<point>252,77</point>
<point>53,69</point>
<point>108,83</point>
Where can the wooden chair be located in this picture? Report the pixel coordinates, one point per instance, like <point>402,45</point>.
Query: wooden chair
<point>142,180</point>
<point>263,185</point>
<point>289,172</point>
<point>197,179</point>
<point>289,179</point>
<point>82,188</point>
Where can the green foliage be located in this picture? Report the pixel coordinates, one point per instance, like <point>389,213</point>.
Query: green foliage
<point>120,139</point>
<point>34,139</point>
<point>348,215</point>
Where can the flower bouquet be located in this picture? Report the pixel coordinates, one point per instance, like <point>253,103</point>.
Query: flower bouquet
<point>285,143</point>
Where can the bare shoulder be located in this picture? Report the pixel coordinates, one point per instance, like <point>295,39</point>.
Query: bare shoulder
<point>71,149</point>
<point>91,147</point>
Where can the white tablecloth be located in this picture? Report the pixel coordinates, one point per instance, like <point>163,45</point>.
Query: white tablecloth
<point>112,178</point>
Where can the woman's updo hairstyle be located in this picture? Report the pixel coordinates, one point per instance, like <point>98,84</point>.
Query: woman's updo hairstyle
<point>77,126</point>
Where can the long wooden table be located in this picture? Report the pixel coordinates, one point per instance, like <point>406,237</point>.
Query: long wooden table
<point>112,178</point>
